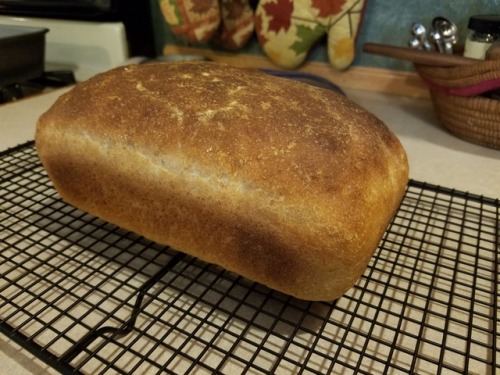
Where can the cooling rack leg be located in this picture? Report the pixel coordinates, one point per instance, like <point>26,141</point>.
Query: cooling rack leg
<point>127,327</point>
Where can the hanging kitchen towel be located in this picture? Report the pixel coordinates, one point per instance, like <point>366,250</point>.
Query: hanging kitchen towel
<point>287,29</point>
<point>192,20</point>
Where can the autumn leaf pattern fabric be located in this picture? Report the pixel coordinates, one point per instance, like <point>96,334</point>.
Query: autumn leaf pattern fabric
<point>287,29</point>
<point>230,23</point>
<point>193,20</point>
<point>237,24</point>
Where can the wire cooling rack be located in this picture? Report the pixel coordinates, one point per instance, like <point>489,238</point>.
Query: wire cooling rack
<point>87,297</point>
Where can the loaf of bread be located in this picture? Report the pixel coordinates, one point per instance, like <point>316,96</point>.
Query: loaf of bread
<point>284,183</point>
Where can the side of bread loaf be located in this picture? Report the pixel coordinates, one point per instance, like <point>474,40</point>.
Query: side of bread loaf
<point>284,183</point>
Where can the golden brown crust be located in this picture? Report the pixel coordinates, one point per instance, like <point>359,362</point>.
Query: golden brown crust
<point>284,183</point>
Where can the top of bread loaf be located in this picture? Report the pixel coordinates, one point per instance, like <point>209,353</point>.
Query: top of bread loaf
<point>246,121</point>
<point>294,163</point>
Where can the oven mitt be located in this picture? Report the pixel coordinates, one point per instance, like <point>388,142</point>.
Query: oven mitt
<point>237,24</point>
<point>287,29</point>
<point>192,20</point>
<point>229,23</point>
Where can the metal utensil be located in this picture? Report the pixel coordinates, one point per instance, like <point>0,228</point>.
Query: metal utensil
<point>448,32</point>
<point>437,40</point>
<point>414,43</point>
<point>419,31</point>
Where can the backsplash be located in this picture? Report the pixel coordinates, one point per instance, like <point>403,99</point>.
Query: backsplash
<point>385,21</point>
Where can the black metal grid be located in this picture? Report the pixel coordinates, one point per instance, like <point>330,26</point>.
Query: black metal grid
<point>85,296</point>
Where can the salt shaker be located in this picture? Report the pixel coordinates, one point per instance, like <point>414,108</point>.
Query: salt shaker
<point>484,30</point>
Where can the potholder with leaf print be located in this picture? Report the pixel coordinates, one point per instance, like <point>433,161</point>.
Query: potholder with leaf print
<point>287,29</point>
<point>229,23</point>
<point>237,24</point>
<point>192,20</point>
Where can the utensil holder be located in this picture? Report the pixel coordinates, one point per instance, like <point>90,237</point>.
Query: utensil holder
<point>459,96</point>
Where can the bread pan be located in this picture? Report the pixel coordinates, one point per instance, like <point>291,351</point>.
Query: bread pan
<point>22,53</point>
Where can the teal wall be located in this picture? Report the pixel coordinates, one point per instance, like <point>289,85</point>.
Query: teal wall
<point>385,21</point>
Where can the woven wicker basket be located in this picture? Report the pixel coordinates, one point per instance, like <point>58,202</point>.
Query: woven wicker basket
<point>459,105</point>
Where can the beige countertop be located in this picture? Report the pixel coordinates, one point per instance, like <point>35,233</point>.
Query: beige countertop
<point>435,156</point>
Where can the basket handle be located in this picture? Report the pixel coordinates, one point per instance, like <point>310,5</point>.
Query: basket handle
<point>418,56</point>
